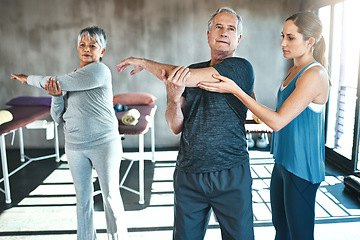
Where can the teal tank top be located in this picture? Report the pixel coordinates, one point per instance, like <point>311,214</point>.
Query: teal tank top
<point>300,146</point>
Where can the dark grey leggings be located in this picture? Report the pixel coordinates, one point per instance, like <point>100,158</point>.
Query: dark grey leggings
<point>292,204</point>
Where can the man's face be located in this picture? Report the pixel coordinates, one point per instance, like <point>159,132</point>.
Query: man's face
<point>223,36</point>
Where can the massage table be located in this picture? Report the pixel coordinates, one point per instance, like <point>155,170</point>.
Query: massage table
<point>24,116</point>
<point>146,122</point>
<point>144,103</point>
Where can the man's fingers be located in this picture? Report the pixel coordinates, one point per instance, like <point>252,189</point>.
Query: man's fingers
<point>174,72</point>
<point>121,67</point>
<point>181,72</point>
<point>184,74</point>
<point>163,75</point>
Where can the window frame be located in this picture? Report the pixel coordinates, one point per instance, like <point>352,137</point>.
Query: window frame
<point>349,165</point>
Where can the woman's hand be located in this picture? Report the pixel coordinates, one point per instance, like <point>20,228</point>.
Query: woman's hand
<point>175,82</point>
<point>53,87</point>
<point>225,85</point>
<point>21,77</point>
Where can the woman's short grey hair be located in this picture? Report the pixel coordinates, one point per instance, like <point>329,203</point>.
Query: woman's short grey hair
<point>95,33</point>
<point>229,10</point>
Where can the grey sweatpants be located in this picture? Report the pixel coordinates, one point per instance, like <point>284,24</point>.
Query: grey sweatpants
<point>105,159</point>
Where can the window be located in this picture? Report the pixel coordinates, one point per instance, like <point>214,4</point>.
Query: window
<point>341,32</point>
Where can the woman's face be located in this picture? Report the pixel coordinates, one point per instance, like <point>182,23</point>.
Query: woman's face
<point>293,44</point>
<point>89,51</point>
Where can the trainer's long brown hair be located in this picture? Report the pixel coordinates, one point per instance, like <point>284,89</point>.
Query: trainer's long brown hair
<point>309,25</point>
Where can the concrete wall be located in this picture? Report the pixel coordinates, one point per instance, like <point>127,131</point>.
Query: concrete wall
<point>39,37</point>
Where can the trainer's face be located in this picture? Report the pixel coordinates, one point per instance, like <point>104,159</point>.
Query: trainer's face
<point>293,44</point>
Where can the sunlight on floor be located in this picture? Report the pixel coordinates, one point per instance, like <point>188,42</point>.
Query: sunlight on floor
<point>49,211</point>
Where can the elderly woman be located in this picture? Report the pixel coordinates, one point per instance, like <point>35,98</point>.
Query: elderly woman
<point>82,100</point>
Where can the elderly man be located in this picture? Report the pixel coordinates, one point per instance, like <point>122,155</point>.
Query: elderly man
<point>212,168</point>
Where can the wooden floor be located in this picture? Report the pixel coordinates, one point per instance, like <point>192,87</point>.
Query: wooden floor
<point>43,204</point>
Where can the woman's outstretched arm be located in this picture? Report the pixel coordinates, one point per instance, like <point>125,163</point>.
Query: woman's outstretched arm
<point>312,86</point>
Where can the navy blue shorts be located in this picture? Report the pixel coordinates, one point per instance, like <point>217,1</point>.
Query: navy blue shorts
<point>292,204</point>
<point>227,193</point>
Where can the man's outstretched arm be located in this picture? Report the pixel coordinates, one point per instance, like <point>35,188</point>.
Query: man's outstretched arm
<point>155,68</point>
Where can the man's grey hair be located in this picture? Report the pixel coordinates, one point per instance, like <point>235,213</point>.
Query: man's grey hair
<point>229,10</point>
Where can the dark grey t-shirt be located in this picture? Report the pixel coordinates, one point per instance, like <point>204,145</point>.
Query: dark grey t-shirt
<point>213,136</point>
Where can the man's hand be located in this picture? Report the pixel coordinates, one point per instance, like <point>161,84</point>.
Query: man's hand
<point>53,87</point>
<point>21,77</point>
<point>131,61</point>
<point>175,82</point>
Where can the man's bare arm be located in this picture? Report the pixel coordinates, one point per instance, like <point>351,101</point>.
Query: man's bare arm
<point>155,68</point>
